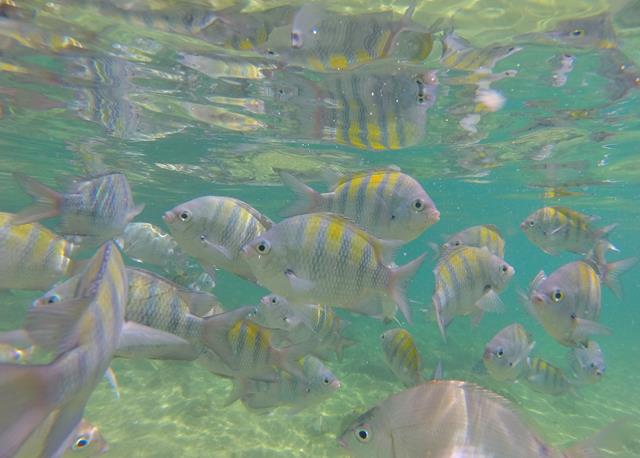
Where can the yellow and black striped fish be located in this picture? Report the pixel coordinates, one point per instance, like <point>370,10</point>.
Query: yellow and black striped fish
<point>486,235</point>
<point>401,355</point>
<point>546,378</point>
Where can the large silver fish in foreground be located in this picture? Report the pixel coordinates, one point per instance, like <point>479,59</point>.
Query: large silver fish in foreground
<point>83,333</point>
<point>448,418</point>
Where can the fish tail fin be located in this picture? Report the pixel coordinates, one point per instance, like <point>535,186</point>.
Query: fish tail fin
<point>613,271</point>
<point>611,439</point>
<point>238,390</point>
<point>308,200</point>
<point>400,276</point>
<point>442,325</point>
<point>24,404</point>
<point>46,201</point>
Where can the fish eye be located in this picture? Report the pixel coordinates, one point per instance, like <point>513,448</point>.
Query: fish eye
<point>457,243</point>
<point>296,40</point>
<point>80,443</point>
<point>557,295</point>
<point>592,365</point>
<point>326,380</point>
<point>185,216</point>
<point>577,32</point>
<point>53,299</point>
<point>307,390</point>
<point>504,268</point>
<point>531,223</point>
<point>418,205</point>
<point>263,247</point>
<point>500,353</point>
<point>274,300</point>
<point>362,434</point>
<point>511,49</point>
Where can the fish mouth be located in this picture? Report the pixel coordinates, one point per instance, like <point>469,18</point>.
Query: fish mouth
<point>335,384</point>
<point>433,215</point>
<point>168,217</point>
<point>523,225</point>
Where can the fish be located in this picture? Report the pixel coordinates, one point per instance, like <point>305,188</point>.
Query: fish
<point>556,229</point>
<point>275,312</point>
<point>402,356</point>
<point>317,385</point>
<point>41,38</point>
<point>468,280</point>
<point>31,256</point>
<point>505,356</point>
<point>10,353</point>
<point>621,71</point>
<point>386,203</point>
<point>83,334</point>
<point>147,243</point>
<point>88,441</point>
<point>96,209</point>
<point>448,418</point>
<point>214,229</point>
<point>564,65</point>
<point>567,303</point>
<point>543,377</point>
<point>324,258</point>
<point>327,41</point>
<point>587,363</point>
<point>460,54</point>
<point>593,32</point>
<point>484,235</point>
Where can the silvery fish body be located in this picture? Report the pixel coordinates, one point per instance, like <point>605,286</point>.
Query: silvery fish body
<point>98,208</point>
<point>402,356</point>
<point>31,256</point>
<point>543,377</point>
<point>567,303</point>
<point>506,354</point>
<point>387,203</point>
<point>588,32</point>
<point>86,332</point>
<point>555,229</point>
<point>147,243</point>
<point>467,282</point>
<point>587,363</point>
<point>444,418</point>
<point>317,385</point>
<point>214,229</point>
<point>459,54</point>
<point>323,258</point>
<point>486,235</point>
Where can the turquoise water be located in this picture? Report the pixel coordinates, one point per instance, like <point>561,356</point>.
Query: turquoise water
<point>574,145</point>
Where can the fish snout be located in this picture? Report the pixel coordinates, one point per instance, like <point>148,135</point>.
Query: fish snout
<point>168,217</point>
<point>523,225</point>
<point>335,384</point>
<point>433,215</point>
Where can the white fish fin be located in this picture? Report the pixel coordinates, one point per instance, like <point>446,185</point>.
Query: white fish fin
<point>539,278</point>
<point>111,378</point>
<point>477,317</point>
<point>490,302</point>
<point>139,341</point>
<point>238,391</point>
<point>438,371</point>
<point>135,211</point>
<point>214,333</point>
<point>386,249</point>
<point>585,328</point>
<point>54,327</point>
<point>200,303</point>
<point>604,231</point>
<point>400,276</point>
<point>216,248</point>
<point>307,199</point>
<point>46,201</point>
<point>298,284</point>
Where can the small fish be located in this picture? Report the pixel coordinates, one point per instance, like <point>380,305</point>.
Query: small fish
<point>505,356</point>
<point>621,71</point>
<point>448,418</point>
<point>12,354</point>
<point>318,384</point>
<point>214,229</point>
<point>87,441</point>
<point>587,363</point>
<point>485,235</point>
<point>387,203</point>
<point>323,40</point>
<point>555,229</point>
<point>83,333</point>
<point>31,256</point>
<point>401,355</point>
<point>324,258</point>
<point>459,54</point>
<point>274,312</point>
<point>147,243</point>
<point>544,377</point>
<point>564,66</point>
<point>468,280</point>
<point>567,303</point>
<point>98,208</point>
<point>589,32</point>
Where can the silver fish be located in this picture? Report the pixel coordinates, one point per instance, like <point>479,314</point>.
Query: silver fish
<point>505,356</point>
<point>587,363</point>
<point>486,235</point>
<point>98,208</point>
<point>543,377</point>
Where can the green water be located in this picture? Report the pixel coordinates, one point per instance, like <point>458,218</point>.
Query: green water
<point>171,409</point>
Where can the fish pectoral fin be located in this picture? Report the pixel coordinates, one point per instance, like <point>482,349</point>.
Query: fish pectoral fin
<point>477,317</point>
<point>298,284</point>
<point>139,341</point>
<point>54,327</point>
<point>585,328</point>
<point>110,377</point>
<point>490,302</point>
<point>216,248</point>
<point>135,211</point>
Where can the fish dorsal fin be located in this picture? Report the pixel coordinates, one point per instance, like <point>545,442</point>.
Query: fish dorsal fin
<point>494,228</point>
<point>384,249</point>
<point>364,173</point>
<point>264,220</point>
